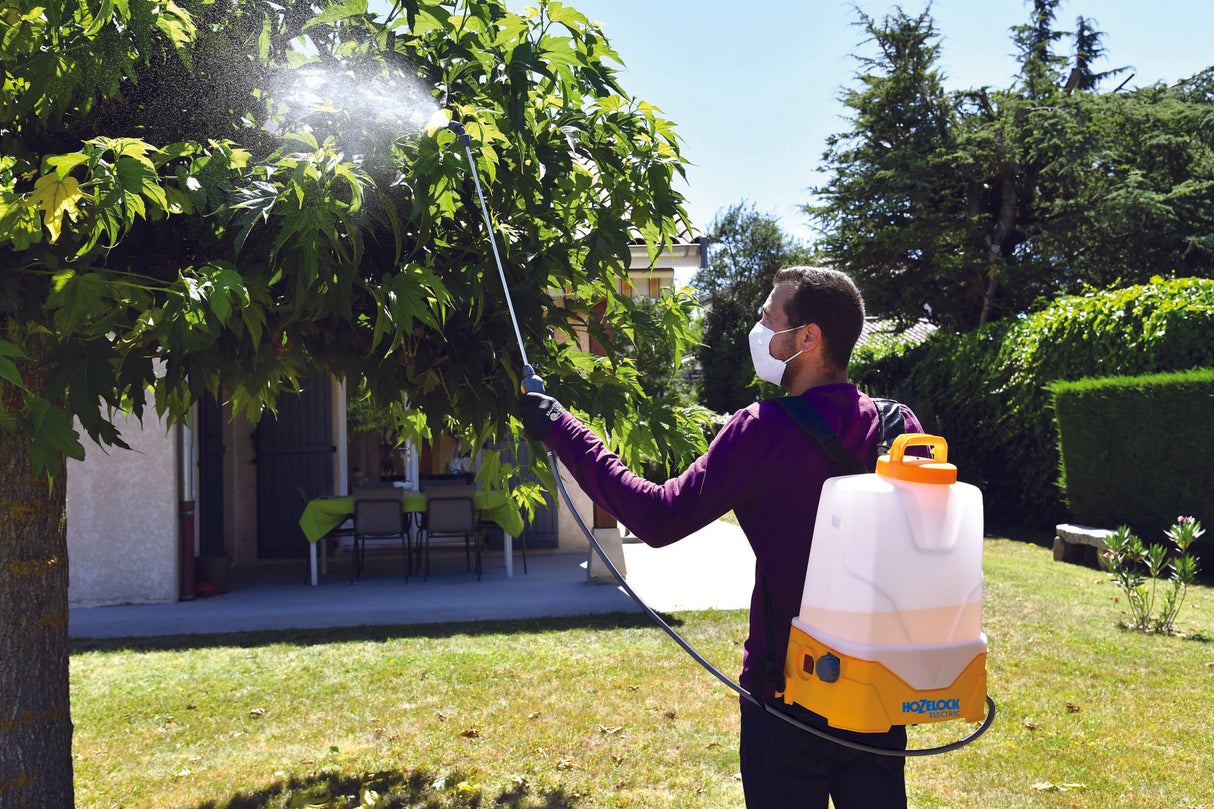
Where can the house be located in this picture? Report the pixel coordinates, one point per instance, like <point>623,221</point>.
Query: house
<point>143,525</point>
<point>877,331</point>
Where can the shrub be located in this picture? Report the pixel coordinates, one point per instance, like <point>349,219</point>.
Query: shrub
<point>1154,465</point>
<point>985,391</point>
<point>1137,569</point>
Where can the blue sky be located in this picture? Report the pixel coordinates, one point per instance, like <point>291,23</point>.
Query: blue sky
<point>753,87</point>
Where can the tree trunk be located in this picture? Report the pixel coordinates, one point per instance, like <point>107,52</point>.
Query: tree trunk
<point>35,718</point>
<point>1001,235</point>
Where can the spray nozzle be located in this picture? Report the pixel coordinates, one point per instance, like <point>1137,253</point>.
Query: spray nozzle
<point>458,129</point>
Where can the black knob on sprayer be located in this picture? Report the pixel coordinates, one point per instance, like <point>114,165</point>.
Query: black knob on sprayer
<point>828,668</point>
<point>464,138</point>
<point>532,382</point>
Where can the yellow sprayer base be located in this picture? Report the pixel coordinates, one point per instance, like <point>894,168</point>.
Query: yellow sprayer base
<point>869,698</point>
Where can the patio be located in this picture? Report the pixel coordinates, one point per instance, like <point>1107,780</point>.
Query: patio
<point>711,569</point>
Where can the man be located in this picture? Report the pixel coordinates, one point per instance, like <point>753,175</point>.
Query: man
<point>770,474</point>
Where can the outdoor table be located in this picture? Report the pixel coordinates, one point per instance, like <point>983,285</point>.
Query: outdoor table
<point>323,514</point>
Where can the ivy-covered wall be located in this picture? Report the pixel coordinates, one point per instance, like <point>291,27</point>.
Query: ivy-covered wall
<point>985,390</point>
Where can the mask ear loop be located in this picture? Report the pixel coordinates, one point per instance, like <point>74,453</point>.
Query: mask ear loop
<point>786,331</point>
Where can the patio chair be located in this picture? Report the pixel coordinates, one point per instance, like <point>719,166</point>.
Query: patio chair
<point>450,515</point>
<point>378,515</point>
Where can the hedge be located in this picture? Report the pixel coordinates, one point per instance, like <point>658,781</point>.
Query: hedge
<point>985,390</point>
<point>1136,451</point>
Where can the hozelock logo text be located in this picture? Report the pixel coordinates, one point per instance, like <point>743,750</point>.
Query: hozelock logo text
<point>934,708</point>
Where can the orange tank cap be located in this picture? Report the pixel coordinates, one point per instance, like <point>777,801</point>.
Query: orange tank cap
<point>936,469</point>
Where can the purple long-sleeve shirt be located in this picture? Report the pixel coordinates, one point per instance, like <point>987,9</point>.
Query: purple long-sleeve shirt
<point>762,466</point>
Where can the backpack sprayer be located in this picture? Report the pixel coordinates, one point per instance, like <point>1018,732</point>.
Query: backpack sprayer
<point>873,646</point>
<point>890,660</point>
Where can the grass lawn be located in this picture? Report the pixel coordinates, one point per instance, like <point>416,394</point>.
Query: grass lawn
<point>605,711</point>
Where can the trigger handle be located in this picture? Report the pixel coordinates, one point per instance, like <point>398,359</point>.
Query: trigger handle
<point>532,382</point>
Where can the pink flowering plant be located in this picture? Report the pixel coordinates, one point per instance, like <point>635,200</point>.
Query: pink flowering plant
<point>1138,570</point>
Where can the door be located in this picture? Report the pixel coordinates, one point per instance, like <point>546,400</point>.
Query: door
<point>210,477</point>
<point>542,531</point>
<point>295,452</point>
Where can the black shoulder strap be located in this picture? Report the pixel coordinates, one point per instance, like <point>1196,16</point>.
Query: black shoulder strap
<point>893,424</point>
<point>811,421</point>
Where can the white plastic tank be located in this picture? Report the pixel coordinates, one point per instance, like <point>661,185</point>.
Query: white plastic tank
<point>896,559</point>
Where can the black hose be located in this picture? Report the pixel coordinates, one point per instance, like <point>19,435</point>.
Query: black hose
<point>532,382</point>
<point>715,672</point>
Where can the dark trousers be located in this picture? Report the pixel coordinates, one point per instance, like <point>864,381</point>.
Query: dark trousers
<point>784,767</point>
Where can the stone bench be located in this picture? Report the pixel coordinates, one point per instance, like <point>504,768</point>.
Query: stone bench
<point>1071,543</point>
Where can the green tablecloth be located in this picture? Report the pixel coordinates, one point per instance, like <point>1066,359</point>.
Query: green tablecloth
<point>322,515</point>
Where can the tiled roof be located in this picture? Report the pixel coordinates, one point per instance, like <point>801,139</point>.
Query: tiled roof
<point>876,330</point>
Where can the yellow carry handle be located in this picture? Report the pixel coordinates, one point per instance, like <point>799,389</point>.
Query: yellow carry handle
<point>898,466</point>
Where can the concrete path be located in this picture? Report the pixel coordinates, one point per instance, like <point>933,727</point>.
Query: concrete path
<point>712,569</point>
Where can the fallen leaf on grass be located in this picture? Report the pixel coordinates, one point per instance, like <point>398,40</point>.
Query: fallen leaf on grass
<point>565,764</point>
<point>670,714</point>
<point>1072,708</point>
<point>1045,786</point>
<point>470,733</point>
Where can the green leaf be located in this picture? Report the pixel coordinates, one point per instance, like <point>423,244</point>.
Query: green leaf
<point>63,164</point>
<point>258,199</point>
<point>337,12</point>
<point>51,436</point>
<point>77,300</point>
<point>569,17</point>
<point>219,285</point>
<point>8,368</point>
<point>136,175</point>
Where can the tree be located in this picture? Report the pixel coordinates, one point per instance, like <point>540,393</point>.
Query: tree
<point>656,362</point>
<point>205,196</point>
<point>970,206</point>
<point>746,249</point>
<point>1040,68</point>
<point>904,194</point>
<point>1089,49</point>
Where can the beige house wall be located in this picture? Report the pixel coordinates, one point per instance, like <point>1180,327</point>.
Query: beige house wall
<point>122,518</point>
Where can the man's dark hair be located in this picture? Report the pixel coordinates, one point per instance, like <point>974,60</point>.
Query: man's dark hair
<point>830,299</point>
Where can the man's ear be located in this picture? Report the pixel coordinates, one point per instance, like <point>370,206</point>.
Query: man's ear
<point>812,337</point>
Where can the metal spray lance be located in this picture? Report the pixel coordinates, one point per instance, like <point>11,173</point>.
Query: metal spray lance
<point>532,383</point>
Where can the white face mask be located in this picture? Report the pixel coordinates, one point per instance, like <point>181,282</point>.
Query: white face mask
<point>768,367</point>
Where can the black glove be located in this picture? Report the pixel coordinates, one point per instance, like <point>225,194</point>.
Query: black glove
<point>538,412</point>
